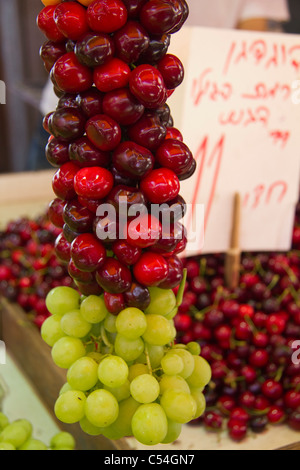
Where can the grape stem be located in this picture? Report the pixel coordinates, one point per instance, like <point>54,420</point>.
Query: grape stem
<point>148,360</point>
<point>106,340</point>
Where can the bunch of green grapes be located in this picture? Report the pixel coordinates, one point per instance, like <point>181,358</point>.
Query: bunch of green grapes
<point>126,376</point>
<point>17,435</point>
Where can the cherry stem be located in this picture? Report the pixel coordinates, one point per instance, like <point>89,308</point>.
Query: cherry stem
<point>180,292</point>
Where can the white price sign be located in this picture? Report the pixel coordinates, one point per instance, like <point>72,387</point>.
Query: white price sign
<point>239,112</point>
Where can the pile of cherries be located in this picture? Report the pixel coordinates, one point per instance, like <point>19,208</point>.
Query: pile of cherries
<point>112,137</point>
<point>29,268</point>
<point>250,337</point>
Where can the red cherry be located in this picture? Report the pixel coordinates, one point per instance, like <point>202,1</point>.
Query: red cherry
<point>93,182</point>
<point>237,429</point>
<point>131,41</point>
<point>78,275</point>
<point>114,277</point>
<point>174,133</point>
<point>161,16</point>
<point>103,132</point>
<point>55,212</point>
<point>62,249</point>
<point>172,71</point>
<point>143,231</point>
<point>147,84</point>
<point>111,75</point>
<point>47,25</point>
<point>94,49</point>
<point>151,269</point>
<point>90,102</point>
<point>114,303</point>
<point>88,253</point>
<point>50,52</point>
<point>160,186</point>
<point>126,253</point>
<point>70,75</point>
<point>71,20</point>
<point>57,152</point>
<point>272,389</point>
<point>175,155</point>
<point>122,106</point>
<point>106,16</point>
<point>63,181</point>
<point>84,154</point>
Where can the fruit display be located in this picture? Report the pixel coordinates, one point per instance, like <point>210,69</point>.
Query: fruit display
<point>19,435</point>
<point>119,162</point>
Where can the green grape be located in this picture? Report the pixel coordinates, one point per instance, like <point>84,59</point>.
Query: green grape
<point>4,421</point>
<point>155,354</point>
<point>122,392</point>
<point>15,433</point>
<point>131,323</point>
<point>63,439</point>
<point>95,356</point>
<point>89,428</point>
<point>194,348</point>
<point>173,382</point>
<point>201,375</point>
<point>149,424</point>
<point>83,374</point>
<point>179,406</point>
<point>73,324</point>
<point>61,300</point>
<point>51,330</point>
<point>163,301</point>
<point>113,371</point>
<point>188,361</point>
<point>69,407</point>
<point>159,330</point>
<point>7,446</point>
<point>33,444</point>
<point>174,431</point>
<point>200,402</point>
<point>144,388</point>
<point>137,369</point>
<point>128,349</point>
<point>66,351</point>
<point>65,388</point>
<point>93,309</point>
<point>101,408</point>
<point>26,425</point>
<point>110,323</point>
<point>127,408</point>
<point>172,364</point>
<point>172,314</point>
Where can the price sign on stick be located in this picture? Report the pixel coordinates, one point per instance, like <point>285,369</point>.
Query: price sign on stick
<point>239,113</point>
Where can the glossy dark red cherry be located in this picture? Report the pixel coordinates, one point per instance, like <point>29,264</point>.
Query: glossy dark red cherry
<point>57,152</point>
<point>172,71</point>
<point>147,84</point>
<point>91,204</point>
<point>175,273</point>
<point>87,289</point>
<point>143,232</point>
<point>62,249</point>
<point>46,23</point>
<point>63,181</point>
<point>67,124</point>
<point>50,52</point>
<point>137,296</point>
<point>132,160</point>
<point>122,106</point>
<point>151,269</point>
<point>157,49</point>
<point>126,254</point>
<point>70,75</point>
<point>119,179</point>
<point>106,226</point>
<point>88,253</point>
<point>104,132</point>
<point>93,182</point>
<point>68,100</point>
<point>122,198</point>
<point>131,41</point>
<point>114,74</point>
<point>55,212</point>
<point>90,102</point>
<point>161,16</point>
<point>148,132</point>
<point>94,49</point>
<point>160,186</point>
<point>71,20</point>
<point>106,16</point>
<point>78,275</point>
<point>85,154</point>
<point>77,217</point>
<point>173,210</point>
<point>174,133</point>
<point>175,155</point>
<point>134,7</point>
<point>114,277</point>
<point>114,303</point>
<point>70,234</point>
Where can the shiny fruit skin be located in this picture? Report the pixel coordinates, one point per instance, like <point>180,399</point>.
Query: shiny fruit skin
<point>70,75</point>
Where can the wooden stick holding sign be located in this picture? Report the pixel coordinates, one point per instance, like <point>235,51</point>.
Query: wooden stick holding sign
<point>233,256</point>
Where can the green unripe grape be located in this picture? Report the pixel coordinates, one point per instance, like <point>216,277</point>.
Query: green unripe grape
<point>128,349</point>
<point>200,402</point>
<point>137,369</point>
<point>89,428</point>
<point>26,424</point>
<point>110,323</point>
<point>95,356</point>
<point>194,348</point>
<point>69,407</point>
<point>155,354</point>
<point>73,324</point>
<point>65,388</point>
<point>66,351</point>
<point>15,434</point>
<point>7,446</point>
<point>159,330</point>
<point>101,408</point>
<point>174,431</point>
<point>131,323</point>
<point>122,392</point>
<point>93,309</point>
<point>172,364</point>
<point>145,388</point>
<point>188,361</point>
<point>201,374</point>
<point>173,382</point>
<point>163,301</point>
<point>83,374</point>
<point>51,330</point>
<point>149,424</point>
<point>4,421</point>
<point>63,439</point>
<point>33,444</point>
<point>113,371</point>
<point>179,406</point>
<point>61,300</point>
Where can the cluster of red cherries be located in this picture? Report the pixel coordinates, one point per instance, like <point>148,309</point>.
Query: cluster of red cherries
<point>29,268</point>
<point>112,139</point>
<point>250,337</point>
